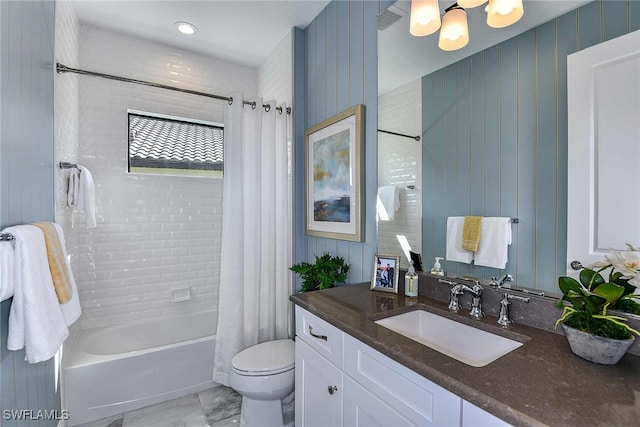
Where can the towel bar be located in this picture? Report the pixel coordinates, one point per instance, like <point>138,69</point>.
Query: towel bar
<point>5,237</point>
<point>67,165</point>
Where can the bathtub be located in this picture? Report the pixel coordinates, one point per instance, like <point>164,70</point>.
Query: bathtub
<point>112,370</point>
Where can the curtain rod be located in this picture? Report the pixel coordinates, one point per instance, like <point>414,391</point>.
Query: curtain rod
<point>417,138</point>
<point>60,68</point>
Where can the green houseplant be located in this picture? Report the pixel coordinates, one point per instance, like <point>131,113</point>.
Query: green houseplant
<point>323,273</point>
<point>593,333</point>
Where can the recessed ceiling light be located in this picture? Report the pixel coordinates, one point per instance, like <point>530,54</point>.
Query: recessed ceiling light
<point>186,28</point>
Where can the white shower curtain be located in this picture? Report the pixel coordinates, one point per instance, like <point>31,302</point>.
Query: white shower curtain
<point>255,280</point>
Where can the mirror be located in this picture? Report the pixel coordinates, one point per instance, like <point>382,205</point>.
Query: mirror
<point>493,133</point>
<point>399,215</point>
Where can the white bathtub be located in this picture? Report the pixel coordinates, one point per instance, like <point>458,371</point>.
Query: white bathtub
<point>109,371</point>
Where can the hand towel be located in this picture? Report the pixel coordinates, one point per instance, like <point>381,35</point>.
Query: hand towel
<point>81,194</point>
<point>6,269</point>
<point>57,263</point>
<point>471,232</point>
<point>36,322</point>
<point>73,189</point>
<point>455,252</point>
<point>388,202</point>
<point>71,310</point>
<point>494,245</point>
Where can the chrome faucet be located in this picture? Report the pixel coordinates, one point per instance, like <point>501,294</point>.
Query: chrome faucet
<point>505,278</point>
<point>476,301</point>
<point>504,318</point>
<point>458,289</point>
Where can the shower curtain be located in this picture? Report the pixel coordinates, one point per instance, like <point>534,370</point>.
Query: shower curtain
<point>255,280</point>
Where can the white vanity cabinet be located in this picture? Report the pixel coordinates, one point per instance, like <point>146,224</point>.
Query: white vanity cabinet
<point>315,377</point>
<point>340,381</point>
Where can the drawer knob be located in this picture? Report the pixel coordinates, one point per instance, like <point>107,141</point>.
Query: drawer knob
<point>322,337</point>
<point>332,388</point>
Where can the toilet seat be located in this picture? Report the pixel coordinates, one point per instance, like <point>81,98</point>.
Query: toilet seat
<point>267,358</point>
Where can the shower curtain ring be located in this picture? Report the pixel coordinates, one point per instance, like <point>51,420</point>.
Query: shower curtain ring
<point>267,108</point>
<point>230,100</point>
<point>253,105</point>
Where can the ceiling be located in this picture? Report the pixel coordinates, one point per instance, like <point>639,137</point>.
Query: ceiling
<point>239,31</point>
<point>246,31</point>
<point>402,58</point>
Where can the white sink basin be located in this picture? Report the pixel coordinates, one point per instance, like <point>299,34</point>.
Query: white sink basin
<point>467,344</point>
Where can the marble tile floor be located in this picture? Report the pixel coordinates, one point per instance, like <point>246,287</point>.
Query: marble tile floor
<point>214,407</point>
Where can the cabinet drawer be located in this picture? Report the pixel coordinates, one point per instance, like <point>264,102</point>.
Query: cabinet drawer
<point>410,394</point>
<point>326,339</point>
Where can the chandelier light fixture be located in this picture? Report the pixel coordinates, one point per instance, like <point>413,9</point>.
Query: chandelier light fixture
<point>454,33</point>
<point>454,30</point>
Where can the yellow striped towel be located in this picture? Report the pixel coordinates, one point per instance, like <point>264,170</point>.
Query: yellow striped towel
<point>57,263</point>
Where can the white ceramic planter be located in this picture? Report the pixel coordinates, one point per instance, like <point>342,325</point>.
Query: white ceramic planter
<point>605,351</point>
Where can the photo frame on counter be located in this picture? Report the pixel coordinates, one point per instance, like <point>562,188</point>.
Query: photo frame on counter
<point>334,151</point>
<point>386,269</point>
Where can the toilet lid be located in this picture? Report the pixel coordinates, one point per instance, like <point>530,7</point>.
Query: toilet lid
<point>269,357</point>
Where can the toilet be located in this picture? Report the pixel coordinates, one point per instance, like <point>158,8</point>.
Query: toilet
<point>264,374</point>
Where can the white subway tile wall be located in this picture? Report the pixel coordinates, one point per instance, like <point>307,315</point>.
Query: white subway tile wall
<point>275,75</point>
<point>154,233</point>
<point>66,115</point>
<point>400,163</point>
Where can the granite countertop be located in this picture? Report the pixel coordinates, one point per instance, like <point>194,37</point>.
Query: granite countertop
<point>540,383</point>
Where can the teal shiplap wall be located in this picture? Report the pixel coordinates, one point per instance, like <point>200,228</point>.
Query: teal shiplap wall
<point>26,176</point>
<point>336,65</point>
<point>495,138</point>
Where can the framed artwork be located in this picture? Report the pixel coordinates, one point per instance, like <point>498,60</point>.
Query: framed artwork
<point>385,273</point>
<point>333,182</point>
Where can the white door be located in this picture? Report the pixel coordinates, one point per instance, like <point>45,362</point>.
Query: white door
<point>318,389</point>
<point>603,209</point>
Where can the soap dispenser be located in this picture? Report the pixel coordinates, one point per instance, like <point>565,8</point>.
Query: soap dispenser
<point>411,282</point>
<point>437,268</point>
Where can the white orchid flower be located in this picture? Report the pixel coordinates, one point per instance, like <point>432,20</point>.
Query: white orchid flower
<point>626,262</point>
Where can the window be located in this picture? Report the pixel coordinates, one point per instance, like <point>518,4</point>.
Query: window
<point>174,146</point>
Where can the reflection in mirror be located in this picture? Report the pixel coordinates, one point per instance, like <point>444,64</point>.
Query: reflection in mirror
<point>494,120</point>
<point>400,170</point>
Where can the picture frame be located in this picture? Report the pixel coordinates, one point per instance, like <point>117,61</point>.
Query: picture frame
<point>334,166</point>
<point>386,269</point>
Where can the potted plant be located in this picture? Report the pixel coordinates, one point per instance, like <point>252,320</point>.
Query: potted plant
<point>592,332</point>
<point>324,273</point>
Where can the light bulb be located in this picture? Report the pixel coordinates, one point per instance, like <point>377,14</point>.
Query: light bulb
<point>454,33</point>
<point>468,4</point>
<point>502,13</point>
<point>186,28</point>
<point>425,17</point>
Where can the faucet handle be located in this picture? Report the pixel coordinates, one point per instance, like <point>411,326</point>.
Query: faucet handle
<point>503,318</point>
<point>516,297</point>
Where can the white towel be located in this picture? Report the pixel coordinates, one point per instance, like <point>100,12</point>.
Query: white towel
<point>81,194</point>
<point>455,226</point>
<point>388,202</point>
<point>494,243</point>
<point>6,269</point>
<point>36,322</point>
<point>71,309</point>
